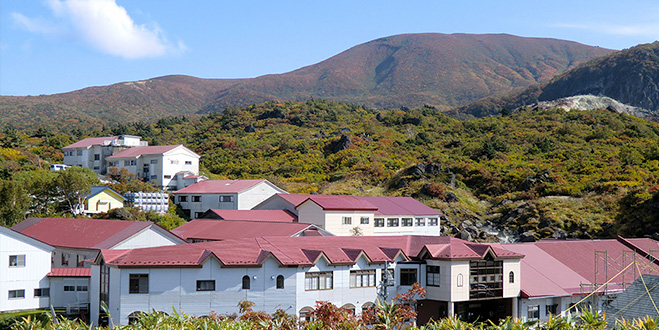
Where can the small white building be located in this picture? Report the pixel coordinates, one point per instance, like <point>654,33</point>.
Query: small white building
<point>199,197</point>
<point>370,215</point>
<point>157,164</point>
<point>92,152</point>
<point>24,264</point>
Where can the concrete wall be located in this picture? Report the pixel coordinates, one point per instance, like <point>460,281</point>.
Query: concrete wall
<point>149,237</point>
<point>257,194</point>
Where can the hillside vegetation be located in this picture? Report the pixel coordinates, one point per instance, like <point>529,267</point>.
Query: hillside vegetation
<point>540,172</point>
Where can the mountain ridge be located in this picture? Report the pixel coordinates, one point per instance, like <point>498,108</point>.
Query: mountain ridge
<point>409,70</point>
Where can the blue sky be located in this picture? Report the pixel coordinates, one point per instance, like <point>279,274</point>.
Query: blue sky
<point>55,46</point>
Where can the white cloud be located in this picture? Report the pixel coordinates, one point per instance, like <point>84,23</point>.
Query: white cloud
<point>106,26</point>
<point>34,25</point>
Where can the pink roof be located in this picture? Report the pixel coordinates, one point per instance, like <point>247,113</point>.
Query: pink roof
<point>70,272</point>
<point>382,205</point>
<point>557,267</point>
<point>219,186</point>
<point>338,202</point>
<point>251,215</point>
<point>459,249</point>
<point>88,142</point>
<point>80,233</point>
<point>289,251</point>
<point>217,230</point>
<point>135,152</point>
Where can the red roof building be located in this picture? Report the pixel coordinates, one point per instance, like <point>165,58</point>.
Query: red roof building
<point>250,215</point>
<point>217,230</point>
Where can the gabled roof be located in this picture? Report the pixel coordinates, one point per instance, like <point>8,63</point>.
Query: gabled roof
<point>217,230</point>
<point>250,215</point>
<point>288,251</point>
<point>454,248</point>
<point>219,186</point>
<point>80,233</point>
<point>136,152</point>
<point>337,203</point>
<point>70,272</point>
<point>381,205</point>
<point>558,267</point>
<point>95,190</point>
<point>88,142</point>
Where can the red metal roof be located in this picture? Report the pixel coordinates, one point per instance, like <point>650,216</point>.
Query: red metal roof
<point>558,267</point>
<point>287,250</point>
<point>70,272</point>
<point>250,215</point>
<point>454,248</point>
<point>219,186</point>
<point>340,202</point>
<point>217,230</point>
<point>135,152</point>
<point>80,233</point>
<point>88,142</point>
<point>381,205</point>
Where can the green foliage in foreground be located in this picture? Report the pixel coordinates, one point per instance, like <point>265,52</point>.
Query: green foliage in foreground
<point>159,320</point>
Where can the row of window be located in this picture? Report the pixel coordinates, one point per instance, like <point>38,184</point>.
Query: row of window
<point>406,222</point>
<point>20,294</point>
<point>139,283</point>
<point>197,198</point>
<point>533,311</point>
<point>394,222</point>
<point>73,153</point>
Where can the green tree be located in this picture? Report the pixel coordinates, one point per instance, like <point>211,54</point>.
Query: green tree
<point>14,202</point>
<point>73,185</point>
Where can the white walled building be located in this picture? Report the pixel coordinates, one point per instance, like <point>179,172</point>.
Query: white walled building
<point>289,273</point>
<point>199,197</point>
<point>24,264</point>
<point>372,215</point>
<point>157,164</point>
<point>92,152</point>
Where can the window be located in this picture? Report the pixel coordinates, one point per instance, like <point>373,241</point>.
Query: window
<point>407,276</point>
<point>392,222</point>
<point>318,281</point>
<point>112,164</point>
<point>206,285</point>
<point>133,162</point>
<point>97,157</point>
<point>16,294</point>
<point>153,177</point>
<point>378,222</point>
<point>363,220</point>
<point>138,283</point>
<point>182,199</point>
<point>246,282</point>
<point>97,168</point>
<point>551,309</point>
<point>79,153</point>
<point>188,162</point>
<point>80,260</point>
<point>69,288</point>
<point>486,278</point>
<point>511,277</point>
<point>104,284</point>
<point>347,220</point>
<point>533,312</point>
<point>420,222</point>
<point>362,278</point>
<point>196,199</point>
<point>407,222</point>
<point>126,162</point>
<point>226,199</point>
<point>42,292</point>
<point>168,176</point>
<point>432,275</point>
<point>432,222</point>
<point>280,282</point>
<point>65,259</point>
<point>82,288</point>
<point>17,261</point>
<point>154,161</point>
<point>388,277</point>
<point>460,280</point>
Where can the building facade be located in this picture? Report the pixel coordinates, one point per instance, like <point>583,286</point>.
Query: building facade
<point>92,152</point>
